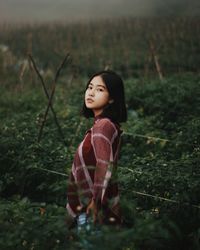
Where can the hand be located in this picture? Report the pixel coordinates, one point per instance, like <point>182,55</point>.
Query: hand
<point>92,208</point>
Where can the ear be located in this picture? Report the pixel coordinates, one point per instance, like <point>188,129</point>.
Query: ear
<point>110,101</point>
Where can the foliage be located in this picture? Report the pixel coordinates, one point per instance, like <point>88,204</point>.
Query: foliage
<point>26,225</point>
<point>159,157</point>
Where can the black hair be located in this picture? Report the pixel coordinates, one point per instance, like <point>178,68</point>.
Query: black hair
<point>116,110</point>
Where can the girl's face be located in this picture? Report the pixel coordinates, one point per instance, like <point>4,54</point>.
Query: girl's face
<point>97,95</point>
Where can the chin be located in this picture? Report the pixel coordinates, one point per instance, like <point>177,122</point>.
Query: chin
<point>89,106</point>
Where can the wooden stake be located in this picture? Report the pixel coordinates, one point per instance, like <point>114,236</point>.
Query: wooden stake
<point>156,61</point>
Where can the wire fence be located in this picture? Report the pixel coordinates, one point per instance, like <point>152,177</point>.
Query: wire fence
<point>156,197</point>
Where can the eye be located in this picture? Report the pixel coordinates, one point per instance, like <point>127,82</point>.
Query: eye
<point>89,87</point>
<point>100,89</point>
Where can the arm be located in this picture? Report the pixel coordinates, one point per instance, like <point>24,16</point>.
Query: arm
<point>103,135</point>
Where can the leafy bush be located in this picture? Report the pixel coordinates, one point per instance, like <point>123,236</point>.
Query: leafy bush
<point>158,168</point>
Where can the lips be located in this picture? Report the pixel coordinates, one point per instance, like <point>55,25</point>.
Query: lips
<point>89,100</point>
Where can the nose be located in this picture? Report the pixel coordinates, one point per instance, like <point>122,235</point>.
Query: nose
<point>91,92</point>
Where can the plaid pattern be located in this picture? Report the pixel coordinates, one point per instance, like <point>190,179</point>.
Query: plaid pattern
<point>92,170</point>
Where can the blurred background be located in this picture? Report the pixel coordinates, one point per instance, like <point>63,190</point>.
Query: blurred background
<point>62,10</point>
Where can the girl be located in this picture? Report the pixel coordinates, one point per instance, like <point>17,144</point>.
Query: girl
<point>92,188</point>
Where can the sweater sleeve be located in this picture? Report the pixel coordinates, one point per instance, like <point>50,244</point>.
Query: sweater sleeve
<point>103,135</point>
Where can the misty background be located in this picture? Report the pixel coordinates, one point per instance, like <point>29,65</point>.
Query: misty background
<point>70,10</point>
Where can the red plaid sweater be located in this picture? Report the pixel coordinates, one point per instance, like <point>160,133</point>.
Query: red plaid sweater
<point>92,171</point>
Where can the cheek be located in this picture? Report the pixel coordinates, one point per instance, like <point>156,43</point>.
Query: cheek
<point>86,92</point>
<point>105,98</point>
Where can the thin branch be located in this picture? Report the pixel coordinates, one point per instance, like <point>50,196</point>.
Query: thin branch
<point>51,96</point>
<point>153,138</point>
<point>50,171</point>
<point>39,75</point>
<point>133,191</point>
<point>48,97</point>
<point>147,137</point>
<point>166,199</point>
<point>61,66</point>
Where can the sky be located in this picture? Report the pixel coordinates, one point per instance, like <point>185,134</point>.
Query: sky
<point>62,10</point>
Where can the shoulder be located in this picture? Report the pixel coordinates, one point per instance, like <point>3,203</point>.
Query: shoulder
<point>104,124</point>
<point>106,127</point>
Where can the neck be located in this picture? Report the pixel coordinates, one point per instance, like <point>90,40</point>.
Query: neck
<point>97,112</point>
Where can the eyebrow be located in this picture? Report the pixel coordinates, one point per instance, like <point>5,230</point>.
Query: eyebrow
<point>98,85</point>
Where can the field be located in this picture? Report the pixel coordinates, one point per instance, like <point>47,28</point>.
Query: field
<point>158,168</point>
